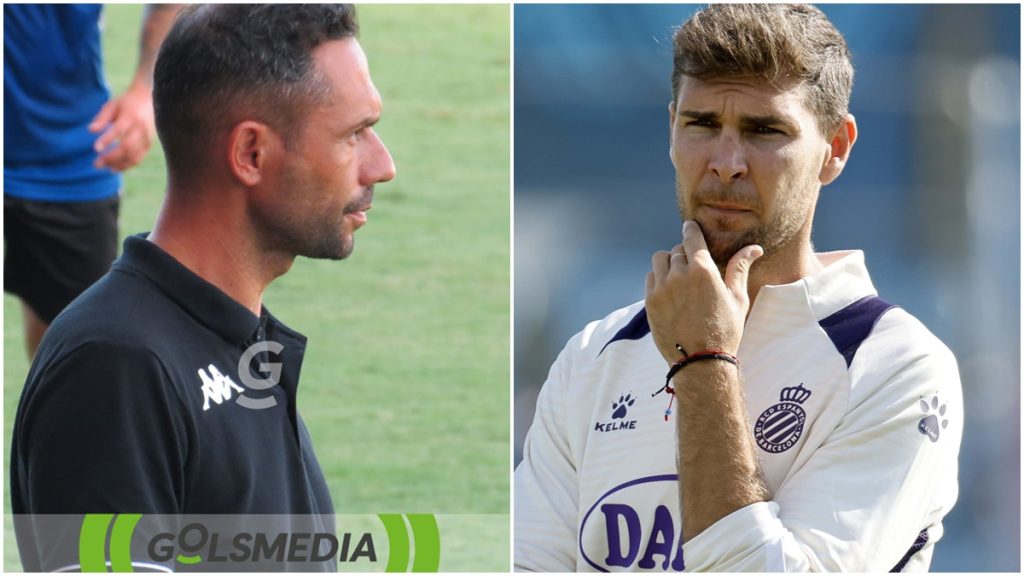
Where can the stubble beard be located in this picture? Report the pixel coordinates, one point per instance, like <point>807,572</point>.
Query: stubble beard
<point>725,237</point>
<point>304,229</point>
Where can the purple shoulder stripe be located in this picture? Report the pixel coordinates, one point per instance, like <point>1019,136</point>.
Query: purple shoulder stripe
<point>919,543</point>
<point>635,329</point>
<point>849,327</point>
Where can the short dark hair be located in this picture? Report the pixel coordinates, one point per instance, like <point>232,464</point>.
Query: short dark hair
<point>773,43</point>
<point>221,64</point>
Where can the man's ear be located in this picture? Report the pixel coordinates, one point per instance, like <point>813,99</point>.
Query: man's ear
<point>251,145</point>
<point>671,132</point>
<point>839,150</point>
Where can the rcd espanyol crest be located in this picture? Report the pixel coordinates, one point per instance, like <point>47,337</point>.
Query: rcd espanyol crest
<point>779,427</point>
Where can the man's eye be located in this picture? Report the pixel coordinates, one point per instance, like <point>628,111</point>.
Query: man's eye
<point>763,129</point>
<point>700,123</point>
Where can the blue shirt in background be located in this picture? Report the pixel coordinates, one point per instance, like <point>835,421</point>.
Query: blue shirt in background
<point>53,87</point>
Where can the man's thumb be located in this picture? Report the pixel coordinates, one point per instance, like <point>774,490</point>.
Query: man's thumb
<point>738,269</point>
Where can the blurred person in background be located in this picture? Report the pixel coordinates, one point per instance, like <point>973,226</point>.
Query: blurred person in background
<point>817,427</point>
<point>65,143</point>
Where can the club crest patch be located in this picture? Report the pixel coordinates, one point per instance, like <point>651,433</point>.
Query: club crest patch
<point>779,427</point>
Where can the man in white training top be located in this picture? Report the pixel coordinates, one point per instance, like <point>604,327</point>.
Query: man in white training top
<point>802,423</point>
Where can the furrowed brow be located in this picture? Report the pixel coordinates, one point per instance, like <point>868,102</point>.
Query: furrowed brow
<point>768,120</point>
<point>698,115</point>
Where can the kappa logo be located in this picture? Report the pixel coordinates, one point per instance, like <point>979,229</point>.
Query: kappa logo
<point>219,387</point>
<point>779,427</point>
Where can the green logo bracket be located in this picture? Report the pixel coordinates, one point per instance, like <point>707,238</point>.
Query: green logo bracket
<point>420,537</point>
<point>92,542</point>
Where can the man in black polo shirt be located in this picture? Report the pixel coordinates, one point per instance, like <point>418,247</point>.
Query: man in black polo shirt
<point>143,398</point>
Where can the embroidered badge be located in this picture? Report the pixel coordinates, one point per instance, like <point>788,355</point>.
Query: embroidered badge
<point>780,426</point>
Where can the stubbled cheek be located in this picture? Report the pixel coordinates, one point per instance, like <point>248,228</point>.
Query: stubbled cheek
<point>800,160</point>
<point>790,167</point>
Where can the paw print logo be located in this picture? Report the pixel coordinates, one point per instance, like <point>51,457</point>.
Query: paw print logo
<point>929,425</point>
<point>620,406</point>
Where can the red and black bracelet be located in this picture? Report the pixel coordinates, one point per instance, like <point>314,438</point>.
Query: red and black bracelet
<point>686,360</point>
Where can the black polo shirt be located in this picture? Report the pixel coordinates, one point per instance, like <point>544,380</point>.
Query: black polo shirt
<point>135,403</point>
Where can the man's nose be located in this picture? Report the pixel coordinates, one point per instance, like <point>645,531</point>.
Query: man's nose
<point>728,161</point>
<point>381,167</point>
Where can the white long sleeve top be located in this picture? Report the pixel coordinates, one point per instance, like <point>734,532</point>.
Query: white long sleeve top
<point>855,406</point>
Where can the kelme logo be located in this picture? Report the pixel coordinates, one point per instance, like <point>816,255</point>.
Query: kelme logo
<point>618,415</point>
<point>105,545</point>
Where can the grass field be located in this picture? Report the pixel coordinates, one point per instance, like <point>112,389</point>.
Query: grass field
<point>405,380</point>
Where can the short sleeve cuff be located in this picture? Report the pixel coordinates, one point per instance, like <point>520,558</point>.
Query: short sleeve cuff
<point>749,539</point>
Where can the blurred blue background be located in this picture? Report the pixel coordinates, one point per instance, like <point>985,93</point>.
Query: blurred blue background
<point>932,194</point>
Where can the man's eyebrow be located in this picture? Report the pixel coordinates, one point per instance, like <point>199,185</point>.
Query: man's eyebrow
<point>767,120</point>
<point>368,122</point>
<point>747,120</point>
<point>697,115</point>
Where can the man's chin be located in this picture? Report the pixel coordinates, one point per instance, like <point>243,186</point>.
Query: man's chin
<point>723,245</point>
<point>330,249</point>
<point>721,255</point>
<point>725,237</point>
<point>343,251</point>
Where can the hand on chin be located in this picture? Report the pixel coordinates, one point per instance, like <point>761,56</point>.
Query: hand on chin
<point>723,244</point>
